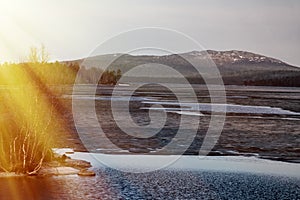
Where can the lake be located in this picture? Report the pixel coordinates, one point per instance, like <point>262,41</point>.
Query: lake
<point>260,122</point>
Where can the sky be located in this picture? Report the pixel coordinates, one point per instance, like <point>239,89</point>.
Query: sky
<point>71,29</point>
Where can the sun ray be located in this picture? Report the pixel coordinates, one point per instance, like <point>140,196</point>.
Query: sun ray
<point>34,112</point>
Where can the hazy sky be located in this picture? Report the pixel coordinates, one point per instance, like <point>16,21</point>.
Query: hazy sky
<point>73,28</point>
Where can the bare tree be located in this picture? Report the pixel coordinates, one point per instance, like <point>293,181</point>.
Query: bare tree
<point>38,55</point>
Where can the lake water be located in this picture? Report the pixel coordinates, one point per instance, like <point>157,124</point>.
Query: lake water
<point>187,178</point>
<point>260,122</point>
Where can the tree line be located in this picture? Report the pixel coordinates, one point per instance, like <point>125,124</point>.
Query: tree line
<point>56,73</point>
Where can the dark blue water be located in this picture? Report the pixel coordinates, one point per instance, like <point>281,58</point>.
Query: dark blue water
<point>112,184</point>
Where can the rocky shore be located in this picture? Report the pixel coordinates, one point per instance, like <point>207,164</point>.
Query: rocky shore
<point>64,165</point>
<point>60,165</point>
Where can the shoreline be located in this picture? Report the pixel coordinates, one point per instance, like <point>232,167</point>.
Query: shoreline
<point>84,164</point>
<point>70,162</point>
<point>188,177</point>
<point>148,163</point>
<point>61,165</point>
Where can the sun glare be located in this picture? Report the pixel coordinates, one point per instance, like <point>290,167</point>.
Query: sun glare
<point>15,34</point>
<point>33,119</point>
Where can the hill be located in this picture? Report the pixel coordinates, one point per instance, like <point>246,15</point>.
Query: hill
<point>236,67</point>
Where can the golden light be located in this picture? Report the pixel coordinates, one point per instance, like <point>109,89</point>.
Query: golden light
<point>26,135</point>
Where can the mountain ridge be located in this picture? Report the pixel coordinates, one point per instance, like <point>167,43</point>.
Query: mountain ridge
<point>235,67</point>
<point>219,57</point>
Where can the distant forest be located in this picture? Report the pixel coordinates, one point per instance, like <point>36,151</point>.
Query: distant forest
<point>283,78</point>
<point>54,74</point>
<point>58,73</point>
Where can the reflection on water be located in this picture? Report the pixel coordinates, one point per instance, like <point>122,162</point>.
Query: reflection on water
<point>60,187</point>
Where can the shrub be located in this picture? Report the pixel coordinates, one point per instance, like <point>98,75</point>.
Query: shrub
<point>25,140</point>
